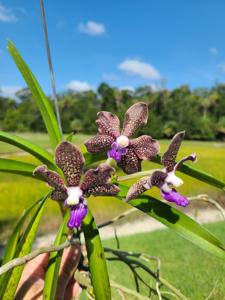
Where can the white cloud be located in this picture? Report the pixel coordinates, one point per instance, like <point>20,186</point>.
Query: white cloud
<point>214,51</point>
<point>222,67</point>
<point>6,15</point>
<point>79,86</point>
<point>139,68</point>
<point>9,91</point>
<point>109,77</point>
<point>92,28</point>
<point>127,88</point>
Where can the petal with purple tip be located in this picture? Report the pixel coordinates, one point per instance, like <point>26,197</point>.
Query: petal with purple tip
<point>174,196</point>
<point>99,143</point>
<point>51,177</point>
<point>145,147</point>
<point>71,161</point>
<point>77,214</point>
<point>108,124</point>
<point>136,116</point>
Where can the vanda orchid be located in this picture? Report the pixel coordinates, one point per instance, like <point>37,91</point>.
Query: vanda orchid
<point>95,181</point>
<point>166,177</point>
<point>128,153</point>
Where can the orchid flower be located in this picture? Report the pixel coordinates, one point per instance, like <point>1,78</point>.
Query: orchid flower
<point>166,177</point>
<point>95,182</point>
<point>128,153</point>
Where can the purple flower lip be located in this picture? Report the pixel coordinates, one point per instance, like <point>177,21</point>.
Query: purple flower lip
<point>116,152</point>
<point>77,214</point>
<point>174,196</point>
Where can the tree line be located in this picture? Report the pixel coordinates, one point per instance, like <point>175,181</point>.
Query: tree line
<point>200,112</point>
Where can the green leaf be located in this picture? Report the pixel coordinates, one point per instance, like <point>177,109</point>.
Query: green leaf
<point>69,137</point>
<point>41,100</point>
<point>96,258</point>
<point>23,248</point>
<point>93,158</point>
<point>18,167</point>
<point>51,277</point>
<point>198,174</point>
<point>178,221</point>
<point>12,245</point>
<point>29,147</point>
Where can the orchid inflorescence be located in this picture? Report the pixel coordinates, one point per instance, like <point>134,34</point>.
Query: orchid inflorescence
<point>128,153</point>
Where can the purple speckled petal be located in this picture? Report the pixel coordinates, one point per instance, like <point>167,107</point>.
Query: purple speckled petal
<point>77,214</point>
<point>108,124</point>
<point>135,116</point>
<point>99,143</point>
<point>175,197</point>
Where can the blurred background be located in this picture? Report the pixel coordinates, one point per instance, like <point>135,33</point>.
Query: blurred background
<point>106,56</point>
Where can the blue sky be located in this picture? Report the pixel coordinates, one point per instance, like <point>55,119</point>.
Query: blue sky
<point>125,43</point>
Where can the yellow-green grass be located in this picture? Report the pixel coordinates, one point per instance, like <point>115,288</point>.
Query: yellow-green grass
<point>17,192</point>
<point>193,271</point>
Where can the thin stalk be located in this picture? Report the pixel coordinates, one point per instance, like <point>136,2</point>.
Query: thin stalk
<point>50,63</point>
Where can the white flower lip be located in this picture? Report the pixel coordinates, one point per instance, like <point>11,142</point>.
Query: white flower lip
<point>74,194</point>
<point>173,179</point>
<point>122,141</point>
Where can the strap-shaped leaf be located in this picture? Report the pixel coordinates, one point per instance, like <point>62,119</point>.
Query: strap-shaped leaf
<point>41,154</point>
<point>17,167</point>
<point>198,174</point>
<point>96,258</point>
<point>178,221</point>
<point>41,100</point>
<point>51,277</point>
<point>24,246</point>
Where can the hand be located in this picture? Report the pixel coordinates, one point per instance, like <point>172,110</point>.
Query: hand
<point>32,281</point>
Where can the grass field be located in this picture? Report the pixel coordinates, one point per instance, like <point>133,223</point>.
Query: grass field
<point>17,192</point>
<point>193,271</point>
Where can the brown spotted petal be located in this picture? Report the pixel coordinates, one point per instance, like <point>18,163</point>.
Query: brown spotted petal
<point>138,188</point>
<point>108,124</point>
<point>96,177</point>
<point>59,195</point>
<point>158,178</point>
<point>71,161</point>
<point>191,157</point>
<point>51,177</point>
<point>145,147</point>
<point>130,162</point>
<point>99,143</point>
<point>135,116</point>
<point>107,189</point>
<point>169,157</point>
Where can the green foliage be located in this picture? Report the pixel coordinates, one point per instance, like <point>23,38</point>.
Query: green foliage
<point>199,112</point>
<point>41,100</point>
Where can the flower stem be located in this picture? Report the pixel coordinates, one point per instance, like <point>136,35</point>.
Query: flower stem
<point>136,175</point>
<point>110,161</point>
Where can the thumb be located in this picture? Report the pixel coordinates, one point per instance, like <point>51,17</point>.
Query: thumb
<point>70,261</point>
